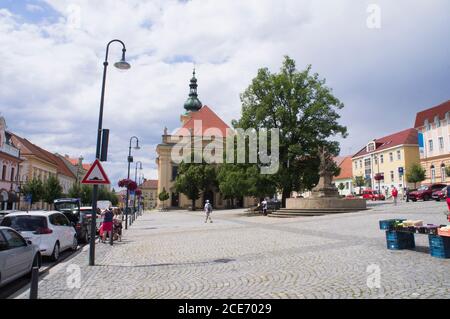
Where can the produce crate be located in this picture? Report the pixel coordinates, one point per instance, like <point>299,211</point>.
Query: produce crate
<point>388,224</point>
<point>429,229</point>
<point>441,232</point>
<point>399,240</point>
<point>439,246</point>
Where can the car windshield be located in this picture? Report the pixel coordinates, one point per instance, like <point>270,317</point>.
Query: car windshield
<point>66,206</point>
<point>423,188</point>
<point>24,222</point>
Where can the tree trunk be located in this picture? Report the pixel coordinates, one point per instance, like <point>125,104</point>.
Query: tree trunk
<point>193,204</point>
<point>285,194</point>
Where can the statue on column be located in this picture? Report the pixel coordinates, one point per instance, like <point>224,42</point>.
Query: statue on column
<point>327,169</point>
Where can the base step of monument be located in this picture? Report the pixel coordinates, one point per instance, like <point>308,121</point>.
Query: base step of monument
<point>286,213</point>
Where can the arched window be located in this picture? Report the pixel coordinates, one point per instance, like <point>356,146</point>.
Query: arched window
<point>427,125</point>
<point>437,122</point>
<point>443,174</point>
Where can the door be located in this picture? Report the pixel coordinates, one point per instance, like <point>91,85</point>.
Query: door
<point>66,230</point>
<point>18,255</point>
<point>175,200</point>
<point>58,230</point>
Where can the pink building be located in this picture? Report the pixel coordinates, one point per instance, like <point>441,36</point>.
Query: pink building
<point>9,170</point>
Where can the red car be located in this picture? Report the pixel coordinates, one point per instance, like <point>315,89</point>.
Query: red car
<point>440,194</point>
<point>373,195</point>
<point>425,192</point>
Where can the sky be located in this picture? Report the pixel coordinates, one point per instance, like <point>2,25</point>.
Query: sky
<point>385,60</point>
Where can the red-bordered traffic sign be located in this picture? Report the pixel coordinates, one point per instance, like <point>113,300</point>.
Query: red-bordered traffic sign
<point>96,175</point>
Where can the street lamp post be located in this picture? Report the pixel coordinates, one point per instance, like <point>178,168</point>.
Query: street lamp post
<point>136,181</point>
<point>130,160</point>
<point>123,65</point>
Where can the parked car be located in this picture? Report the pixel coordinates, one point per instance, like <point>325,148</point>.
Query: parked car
<point>440,194</point>
<point>50,230</point>
<point>3,213</point>
<point>372,195</point>
<point>425,192</point>
<point>17,256</point>
<point>70,207</point>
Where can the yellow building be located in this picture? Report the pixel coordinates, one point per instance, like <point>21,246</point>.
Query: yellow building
<point>433,125</point>
<point>389,157</point>
<point>150,193</point>
<point>199,124</point>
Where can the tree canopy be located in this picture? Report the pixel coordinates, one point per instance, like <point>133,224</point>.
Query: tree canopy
<point>304,110</point>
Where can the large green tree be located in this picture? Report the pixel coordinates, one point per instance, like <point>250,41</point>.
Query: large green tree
<point>52,189</point>
<point>416,174</point>
<point>359,181</point>
<point>233,182</point>
<point>195,178</point>
<point>305,111</point>
<point>35,188</point>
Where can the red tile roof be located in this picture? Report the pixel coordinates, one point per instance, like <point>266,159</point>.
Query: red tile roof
<point>208,119</point>
<point>429,114</point>
<point>408,137</point>
<point>346,168</point>
<point>150,183</point>
<point>28,148</point>
<point>74,162</point>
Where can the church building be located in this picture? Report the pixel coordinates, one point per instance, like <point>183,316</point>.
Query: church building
<point>200,125</point>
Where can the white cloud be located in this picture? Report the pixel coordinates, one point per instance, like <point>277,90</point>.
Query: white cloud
<point>51,80</point>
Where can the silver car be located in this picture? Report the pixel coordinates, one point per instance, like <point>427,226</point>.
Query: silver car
<point>17,256</point>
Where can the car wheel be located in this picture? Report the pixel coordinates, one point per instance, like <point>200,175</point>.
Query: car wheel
<point>56,251</point>
<point>425,198</point>
<point>74,243</point>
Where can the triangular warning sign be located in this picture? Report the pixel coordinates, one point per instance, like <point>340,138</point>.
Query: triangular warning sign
<point>96,175</point>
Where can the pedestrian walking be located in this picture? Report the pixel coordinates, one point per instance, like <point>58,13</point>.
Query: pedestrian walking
<point>447,191</point>
<point>107,225</point>
<point>407,194</point>
<point>208,211</point>
<point>117,224</point>
<point>395,195</point>
<point>264,207</point>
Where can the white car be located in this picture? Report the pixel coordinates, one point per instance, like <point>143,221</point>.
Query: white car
<point>17,256</point>
<point>50,230</point>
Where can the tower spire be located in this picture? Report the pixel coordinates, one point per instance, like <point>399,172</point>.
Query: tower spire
<point>193,104</point>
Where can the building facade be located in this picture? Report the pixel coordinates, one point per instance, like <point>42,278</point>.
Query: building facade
<point>389,157</point>
<point>40,164</point>
<point>9,169</point>
<point>433,126</point>
<point>149,193</point>
<point>199,125</point>
<point>345,177</point>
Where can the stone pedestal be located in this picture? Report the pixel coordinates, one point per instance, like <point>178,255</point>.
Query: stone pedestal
<point>326,203</point>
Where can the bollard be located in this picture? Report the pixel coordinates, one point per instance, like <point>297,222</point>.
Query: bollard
<point>34,283</point>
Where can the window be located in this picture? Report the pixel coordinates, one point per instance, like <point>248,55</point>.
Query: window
<point>443,173</point>
<point>4,173</point>
<point>3,242</point>
<point>391,157</point>
<point>347,185</point>
<point>433,174</point>
<point>371,147</point>
<point>356,164</point>
<point>376,159</point>
<point>174,172</point>
<point>367,162</point>
<point>12,174</point>
<point>441,143</point>
<point>14,240</point>
<point>427,125</point>
<point>392,176</point>
<point>437,122</point>
<point>430,145</point>
<point>381,158</point>
<point>360,164</point>
<point>399,155</point>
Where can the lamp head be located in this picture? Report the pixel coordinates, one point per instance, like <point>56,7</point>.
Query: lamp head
<point>122,64</point>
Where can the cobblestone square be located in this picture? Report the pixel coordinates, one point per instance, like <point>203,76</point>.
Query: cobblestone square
<point>176,255</point>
